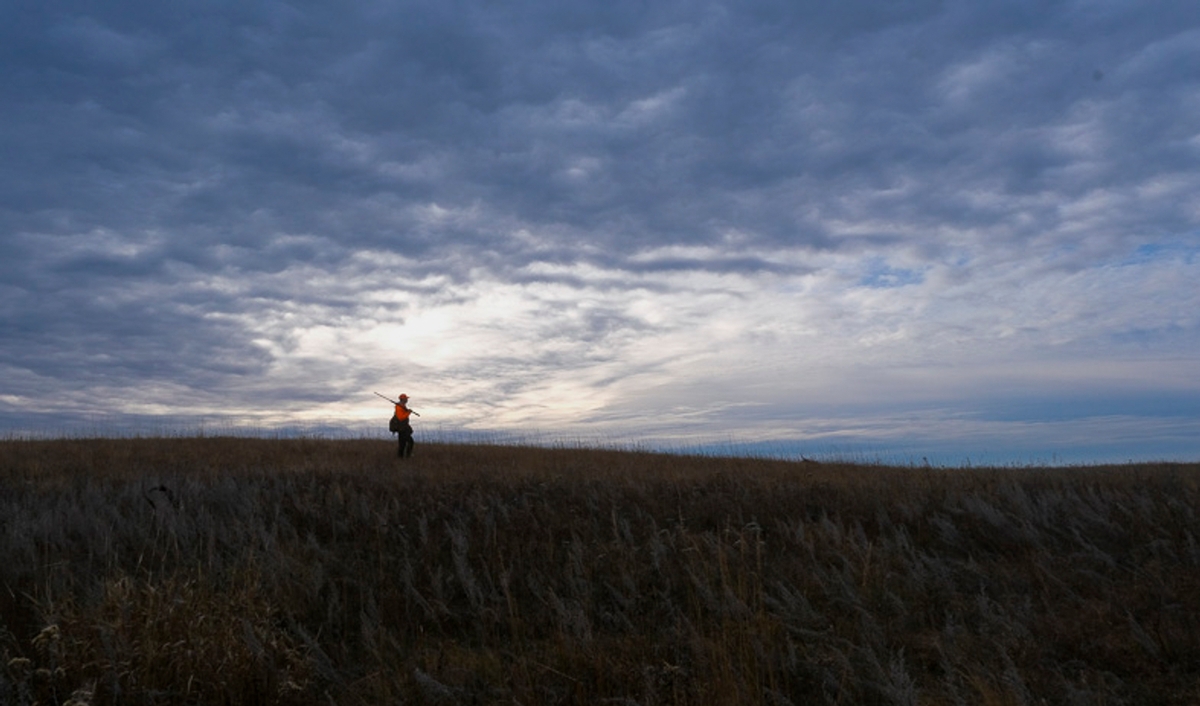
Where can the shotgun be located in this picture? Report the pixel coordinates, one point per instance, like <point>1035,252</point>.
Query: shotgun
<point>395,402</point>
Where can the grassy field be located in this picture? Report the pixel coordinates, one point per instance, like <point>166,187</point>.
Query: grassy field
<point>232,570</point>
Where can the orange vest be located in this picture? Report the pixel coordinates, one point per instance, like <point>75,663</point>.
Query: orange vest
<point>403,413</point>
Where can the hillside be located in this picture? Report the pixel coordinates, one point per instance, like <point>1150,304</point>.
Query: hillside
<point>208,570</point>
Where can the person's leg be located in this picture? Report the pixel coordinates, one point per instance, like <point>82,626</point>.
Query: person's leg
<point>408,446</point>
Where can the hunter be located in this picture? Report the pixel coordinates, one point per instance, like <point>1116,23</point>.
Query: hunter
<point>401,426</point>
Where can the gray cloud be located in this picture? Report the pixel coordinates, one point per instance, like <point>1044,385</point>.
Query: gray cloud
<point>546,200</point>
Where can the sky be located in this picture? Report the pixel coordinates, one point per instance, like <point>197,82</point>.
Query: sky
<point>895,229</point>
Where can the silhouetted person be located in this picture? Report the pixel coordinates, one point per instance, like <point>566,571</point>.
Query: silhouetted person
<point>402,428</point>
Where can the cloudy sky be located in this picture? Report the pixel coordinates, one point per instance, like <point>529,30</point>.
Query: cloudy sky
<point>953,229</point>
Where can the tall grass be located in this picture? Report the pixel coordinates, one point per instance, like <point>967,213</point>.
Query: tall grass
<point>297,571</point>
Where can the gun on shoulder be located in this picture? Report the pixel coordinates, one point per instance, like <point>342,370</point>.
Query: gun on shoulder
<point>395,402</point>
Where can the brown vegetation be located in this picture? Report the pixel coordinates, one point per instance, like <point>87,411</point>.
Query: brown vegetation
<point>210,570</point>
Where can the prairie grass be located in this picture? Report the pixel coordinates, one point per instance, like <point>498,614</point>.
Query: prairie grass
<point>299,571</point>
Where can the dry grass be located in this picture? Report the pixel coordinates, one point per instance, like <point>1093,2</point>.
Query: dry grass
<point>209,570</point>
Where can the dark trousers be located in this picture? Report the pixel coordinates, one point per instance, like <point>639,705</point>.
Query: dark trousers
<point>406,444</point>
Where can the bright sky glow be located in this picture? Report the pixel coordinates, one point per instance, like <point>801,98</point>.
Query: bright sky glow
<point>905,230</point>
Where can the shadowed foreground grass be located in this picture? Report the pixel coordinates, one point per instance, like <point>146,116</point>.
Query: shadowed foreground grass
<point>225,570</point>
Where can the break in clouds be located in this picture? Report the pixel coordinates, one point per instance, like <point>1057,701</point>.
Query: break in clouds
<point>922,227</point>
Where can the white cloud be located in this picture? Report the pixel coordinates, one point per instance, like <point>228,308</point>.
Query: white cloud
<point>840,223</point>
